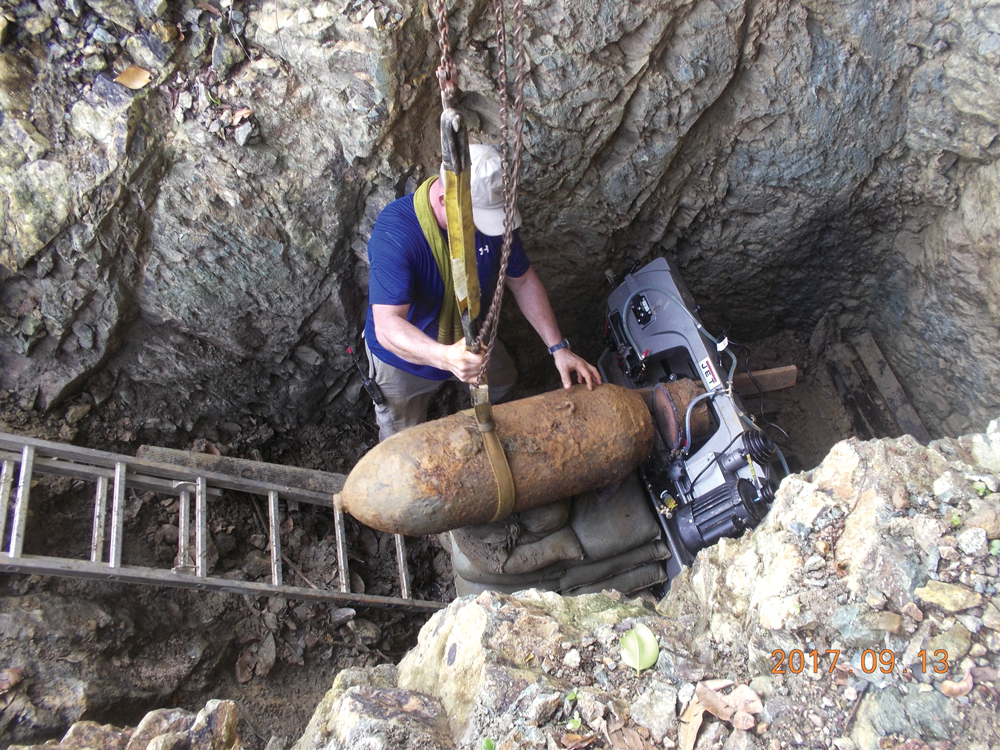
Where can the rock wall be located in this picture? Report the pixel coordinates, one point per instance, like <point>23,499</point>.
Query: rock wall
<point>937,311</point>
<point>192,252</point>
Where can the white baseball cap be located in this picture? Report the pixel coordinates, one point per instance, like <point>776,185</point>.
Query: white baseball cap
<point>487,190</point>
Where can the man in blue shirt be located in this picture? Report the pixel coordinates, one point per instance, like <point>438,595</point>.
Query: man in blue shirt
<point>410,352</point>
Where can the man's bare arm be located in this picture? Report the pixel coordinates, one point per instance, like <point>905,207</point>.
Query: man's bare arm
<point>408,342</point>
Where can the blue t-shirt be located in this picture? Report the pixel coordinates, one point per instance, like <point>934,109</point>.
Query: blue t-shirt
<point>404,272</point>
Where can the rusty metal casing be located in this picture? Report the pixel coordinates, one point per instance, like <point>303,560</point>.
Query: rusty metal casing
<point>436,476</point>
<point>671,401</point>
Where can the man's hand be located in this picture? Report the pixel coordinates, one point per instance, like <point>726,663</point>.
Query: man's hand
<point>462,363</point>
<point>534,303</point>
<point>567,362</point>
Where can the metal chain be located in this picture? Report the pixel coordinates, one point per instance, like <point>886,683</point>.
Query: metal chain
<point>447,74</point>
<point>511,167</point>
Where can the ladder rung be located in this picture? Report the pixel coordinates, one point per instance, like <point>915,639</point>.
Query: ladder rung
<point>6,479</point>
<point>404,570</point>
<point>201,528</point>
<point>184,533</point>
<point>100,520</point>
<point>21,504</point>
<point>274,532</point>
<point>342,573</point>
<point>117,517</point>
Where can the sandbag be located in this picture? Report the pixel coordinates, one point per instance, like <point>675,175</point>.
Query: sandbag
<point>538,523</point>
<point>560,546</point>
<point>436,476</point>
<point>557,547</point>
<point>563,575</point>
<point>628,582</point>
<point>464,568</point>
<point>472,588</point>
<point>614,520</point>
<point>580,575</point>
<point>490,546</point>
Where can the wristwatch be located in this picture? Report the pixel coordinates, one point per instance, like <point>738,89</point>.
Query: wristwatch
<point>564,344</point>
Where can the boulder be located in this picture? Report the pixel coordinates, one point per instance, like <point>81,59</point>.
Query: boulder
<point>212,728</point>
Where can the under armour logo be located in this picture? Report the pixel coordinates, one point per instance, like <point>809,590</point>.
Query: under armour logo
<point>484,250</point>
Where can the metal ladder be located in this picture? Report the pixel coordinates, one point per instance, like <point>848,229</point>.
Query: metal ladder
<point>117,473</point>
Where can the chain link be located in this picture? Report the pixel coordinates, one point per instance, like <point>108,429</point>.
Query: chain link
<point>511,165</point>
<point>447,74</point>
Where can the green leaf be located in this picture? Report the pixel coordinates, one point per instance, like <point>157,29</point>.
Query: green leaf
<point>575,723</point>
<point>488,744</point>
<point>571,695</point>
<point>639,648</point>
<point>995,548</point>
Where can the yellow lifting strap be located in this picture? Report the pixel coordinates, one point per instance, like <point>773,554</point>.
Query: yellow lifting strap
<point>457,175</point>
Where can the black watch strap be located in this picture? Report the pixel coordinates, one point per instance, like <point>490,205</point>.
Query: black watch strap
<point>564,344</point>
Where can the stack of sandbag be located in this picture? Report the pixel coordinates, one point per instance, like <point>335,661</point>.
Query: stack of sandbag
<point>603,539</point>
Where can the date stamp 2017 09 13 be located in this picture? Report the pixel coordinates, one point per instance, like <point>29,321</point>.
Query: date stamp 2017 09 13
<point>884,661</point>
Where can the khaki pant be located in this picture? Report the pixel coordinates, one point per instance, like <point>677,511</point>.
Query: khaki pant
<point>407,395</point>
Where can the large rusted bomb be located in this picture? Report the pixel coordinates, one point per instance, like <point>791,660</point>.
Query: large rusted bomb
<point>437,476</point>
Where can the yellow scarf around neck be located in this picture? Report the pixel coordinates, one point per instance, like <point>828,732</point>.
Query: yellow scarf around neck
<point>449,321</point>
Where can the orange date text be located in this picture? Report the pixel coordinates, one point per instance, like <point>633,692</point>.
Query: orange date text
<point>872,661</point>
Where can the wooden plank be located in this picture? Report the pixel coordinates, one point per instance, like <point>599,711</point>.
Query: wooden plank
<point>867,408</point>
<point>866,417</point>
<point>870,397</point>
<point>61,468</point>
<point>846,393</point>
<point>327,483</point>
<point>170,471</point>
<point>892,391</point>
<point>774,379</point>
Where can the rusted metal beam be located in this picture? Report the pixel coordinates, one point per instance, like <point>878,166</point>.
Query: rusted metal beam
<point>774,379</point>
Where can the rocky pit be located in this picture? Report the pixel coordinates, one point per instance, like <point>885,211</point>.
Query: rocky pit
<point>182,264</point>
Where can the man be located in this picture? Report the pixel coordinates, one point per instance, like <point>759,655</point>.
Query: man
<point>412,345</point>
